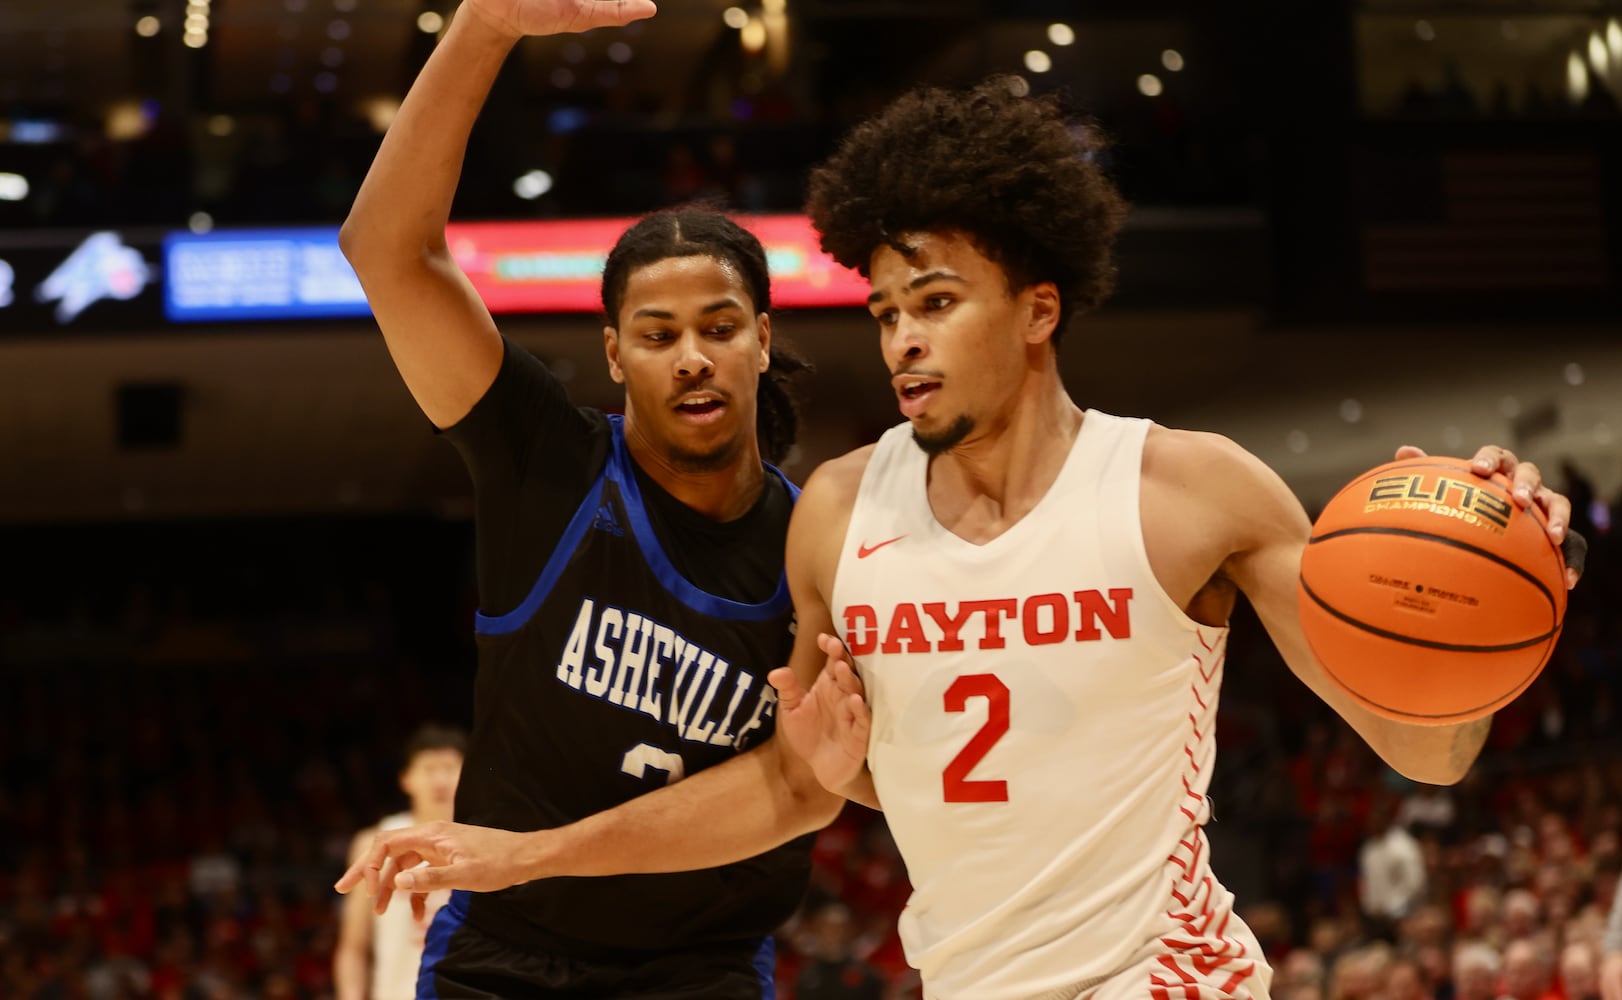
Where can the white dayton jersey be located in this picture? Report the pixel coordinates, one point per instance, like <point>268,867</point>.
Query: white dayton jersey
<point>1042,738</point>
<point>397,936</point>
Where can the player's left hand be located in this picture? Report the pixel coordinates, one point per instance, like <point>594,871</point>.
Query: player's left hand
<point>828,725</point>
<point>453,856</point>
<point>1527,488</point>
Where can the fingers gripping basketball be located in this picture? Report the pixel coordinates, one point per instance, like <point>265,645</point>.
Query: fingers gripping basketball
<point>1428,594</point>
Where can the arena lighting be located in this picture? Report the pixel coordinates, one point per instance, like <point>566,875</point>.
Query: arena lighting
<point>1613,40</point>
<point>127,120</point>
<point>1061,35</point>
<point>430,22</point>
<point>1598,57</point>
<point>1425,30</point>
<point>1172,60</point>
<point>1351,410</point>
<point>1149,85</point>
<point>1576,78</point>
<point>532,185</point>
<point>13,187</point>
<point>753,36</point>
<point>195,39</point>
<point>147,26</point>
<point>380,112</point>
<point>221,126</point>
<point>200,222</point>
<point>619,52</point>
<point>1574,374</point>
<point>1038,61</point>
<point>735,18</point>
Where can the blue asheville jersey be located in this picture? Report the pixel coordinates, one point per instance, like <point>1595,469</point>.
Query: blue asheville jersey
<point>614,677</point>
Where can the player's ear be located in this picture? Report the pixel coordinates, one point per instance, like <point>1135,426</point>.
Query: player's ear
<point>764,322</point>
<point>611,349</point>
<point>1042,311</point>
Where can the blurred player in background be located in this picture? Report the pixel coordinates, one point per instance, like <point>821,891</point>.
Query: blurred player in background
<point>378,953</point>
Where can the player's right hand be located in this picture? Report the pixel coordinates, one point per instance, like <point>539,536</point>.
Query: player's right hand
<point>556,17</point>
<point>827,725</point>
<point>419,859</point>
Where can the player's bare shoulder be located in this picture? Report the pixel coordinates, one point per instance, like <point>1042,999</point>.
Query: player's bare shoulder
<point>831,490</point>
<point>1204,499</point>
<point>823,514</point>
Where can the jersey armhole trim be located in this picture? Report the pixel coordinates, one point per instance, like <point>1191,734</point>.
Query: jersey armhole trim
<point>514,620</point>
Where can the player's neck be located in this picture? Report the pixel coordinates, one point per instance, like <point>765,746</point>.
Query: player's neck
<point>998,474</point>
<point>431,814</point>
<point>723,494</point>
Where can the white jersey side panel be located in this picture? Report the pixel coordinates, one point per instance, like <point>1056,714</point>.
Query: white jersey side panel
<point>397,936</point>
<point>1041,740</point>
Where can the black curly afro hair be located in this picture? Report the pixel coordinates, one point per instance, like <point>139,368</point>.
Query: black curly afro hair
<point>1013,173</point>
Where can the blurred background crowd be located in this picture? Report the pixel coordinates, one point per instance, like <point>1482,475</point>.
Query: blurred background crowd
<point>226,602</point>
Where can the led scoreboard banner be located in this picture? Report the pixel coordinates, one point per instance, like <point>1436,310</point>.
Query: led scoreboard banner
<point>517,267</point>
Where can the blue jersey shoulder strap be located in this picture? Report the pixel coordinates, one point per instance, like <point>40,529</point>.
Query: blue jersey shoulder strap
<point>619,469</point>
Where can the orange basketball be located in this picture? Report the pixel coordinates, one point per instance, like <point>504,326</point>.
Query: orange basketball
<point>1428,595</point>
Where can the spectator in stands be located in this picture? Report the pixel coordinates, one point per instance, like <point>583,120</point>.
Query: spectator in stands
<point>1475,971</point>
<point>834,973</point>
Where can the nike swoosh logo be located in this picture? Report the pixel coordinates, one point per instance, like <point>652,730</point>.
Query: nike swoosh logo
<point>863,551</point>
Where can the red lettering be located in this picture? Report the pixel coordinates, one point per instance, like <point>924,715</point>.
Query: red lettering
<point>1117,620</point>
<point>864,617</point>
<point>905,626</point>
<point>1059,626</point>
<point>994,610</point>
<point>949,625</point>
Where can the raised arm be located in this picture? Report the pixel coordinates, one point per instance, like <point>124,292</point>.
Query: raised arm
<point>439,333</point>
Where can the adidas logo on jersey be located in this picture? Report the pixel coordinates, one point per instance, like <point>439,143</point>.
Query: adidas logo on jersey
<point>607,520</point>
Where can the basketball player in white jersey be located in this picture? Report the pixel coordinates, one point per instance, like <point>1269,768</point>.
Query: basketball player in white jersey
<point>378,954</point>
<point>1035,597</point>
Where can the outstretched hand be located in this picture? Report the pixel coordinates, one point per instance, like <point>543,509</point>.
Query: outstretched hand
<point>827,725</point>
<point>429,856</point>
<point>556,17</point>
<point>1527,488</point>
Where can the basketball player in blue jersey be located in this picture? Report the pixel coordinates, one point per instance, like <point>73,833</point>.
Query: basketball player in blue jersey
<point>630,568</point>
<point>1012,611</point>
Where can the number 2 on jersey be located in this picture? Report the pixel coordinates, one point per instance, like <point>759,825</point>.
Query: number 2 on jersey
<point>645,757</point>
<point>955,778</point>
